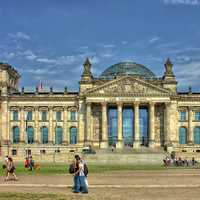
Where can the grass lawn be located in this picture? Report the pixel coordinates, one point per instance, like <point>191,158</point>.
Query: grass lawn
<point>52,168</point>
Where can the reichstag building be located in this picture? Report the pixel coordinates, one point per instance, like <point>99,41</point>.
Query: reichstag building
<point>127,106</point>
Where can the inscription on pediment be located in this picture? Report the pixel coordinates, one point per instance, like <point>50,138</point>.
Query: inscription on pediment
<point>128,86</point>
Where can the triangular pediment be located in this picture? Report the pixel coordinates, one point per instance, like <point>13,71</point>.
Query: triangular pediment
<point>127,85</point>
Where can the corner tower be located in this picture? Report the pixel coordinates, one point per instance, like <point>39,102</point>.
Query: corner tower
<point>169,79</point>
<point>9,79</point>
<point>86,77</point>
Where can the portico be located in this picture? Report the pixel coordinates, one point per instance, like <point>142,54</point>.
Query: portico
<point>114,124</point>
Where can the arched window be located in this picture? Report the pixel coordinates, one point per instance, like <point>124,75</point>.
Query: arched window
<point>182,135</point>
<point>30,135</point>
<point>58,135</point>
<point>73,135</point>
<point>44,135</point>
<point>16,134</point>
<point>197,135</point>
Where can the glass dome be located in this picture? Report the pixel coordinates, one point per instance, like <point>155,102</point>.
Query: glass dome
<point>127,68</point>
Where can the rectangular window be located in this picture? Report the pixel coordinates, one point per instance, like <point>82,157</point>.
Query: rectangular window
<point>182,115</point>
<point>44,116</point>
<point>28,152</point>
<point>29,116</point>
<point>197,115</point>
<point>14,152</point>
<point>73,115</point>
<point>58,116</point>
<point>43,151</point>
<point>15,115</point>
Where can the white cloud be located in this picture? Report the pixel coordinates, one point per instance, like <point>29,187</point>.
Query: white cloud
<point>183,2</point>
<point>188,73</point>
<point>107,55</point>
<point>10,55</point>
<point>154,39</point>
<point>19,35</point>
<point>63,60</point>
<point>29,55</point>
<point>84,48</point>
<point>94,60</point>
<point>124,42</point>
<point>108,45</point>
<point>183,59</point>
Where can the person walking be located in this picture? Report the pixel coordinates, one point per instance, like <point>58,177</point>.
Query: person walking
<point>80,179</point>
<point>31,163</point>
<point>10,169</point>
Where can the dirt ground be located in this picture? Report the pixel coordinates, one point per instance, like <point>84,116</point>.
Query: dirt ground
<point>173,184</point>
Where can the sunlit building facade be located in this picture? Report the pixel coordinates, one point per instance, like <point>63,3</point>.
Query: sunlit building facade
<point>127,106</point>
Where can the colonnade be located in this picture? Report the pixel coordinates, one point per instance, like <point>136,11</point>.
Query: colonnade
<point>119,144</point>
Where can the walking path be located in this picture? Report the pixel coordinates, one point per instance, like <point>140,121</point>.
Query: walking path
<point>141,185</point>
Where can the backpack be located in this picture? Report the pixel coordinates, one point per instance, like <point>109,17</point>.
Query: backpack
<point>86,171</point>
<point>71,168</point>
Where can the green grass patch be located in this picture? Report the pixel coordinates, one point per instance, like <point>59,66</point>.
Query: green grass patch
<point>53,169</point>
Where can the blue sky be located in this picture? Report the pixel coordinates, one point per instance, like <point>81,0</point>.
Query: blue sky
<point>49,40</point>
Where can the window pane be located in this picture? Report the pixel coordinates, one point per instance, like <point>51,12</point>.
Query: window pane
<point>182,115</point>
<point>73,116</point>
<point>127,118</point>
<point>58,135</point>
<point>197,135</point>
<point>15,115</point>
<point>182,135</point>
<point>113,126</point>
<point>29,116</point>
<point>16,135</point>
<point>44,116</point>
<point>44,135</point>
<point>197,116</point>
<point>73,135</point>
<point>58,116</point>
<point>30,135</point>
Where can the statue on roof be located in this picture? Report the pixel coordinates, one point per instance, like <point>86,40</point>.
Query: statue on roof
<point>168,68</point>
<point>87,75</point>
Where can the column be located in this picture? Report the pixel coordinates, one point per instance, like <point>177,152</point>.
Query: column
<point>136,143</point>
<point>81,123</point>
<point>119,144</point>
<point>22,125</point>
<point>51,125</point>
<point>88,123</point>
<point>36,129</point>
<point>151,124</point>
<point>167,124</point>
<point>190,127</point>
<point>4,121</point>
<point>104,142</point>
<point>171,125</point>
<point>65,128</point>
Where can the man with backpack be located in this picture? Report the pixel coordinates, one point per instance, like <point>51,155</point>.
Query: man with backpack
<point>80,174</point>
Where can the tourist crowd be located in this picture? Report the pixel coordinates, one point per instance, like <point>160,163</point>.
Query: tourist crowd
<point>178,161</point>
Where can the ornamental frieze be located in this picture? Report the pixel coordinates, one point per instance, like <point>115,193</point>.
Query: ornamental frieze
<point>127,86</point>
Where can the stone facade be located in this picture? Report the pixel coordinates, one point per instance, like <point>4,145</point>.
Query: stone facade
<point>61,122</point>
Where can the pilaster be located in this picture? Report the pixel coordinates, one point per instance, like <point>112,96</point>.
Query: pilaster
<point>119,144</point>
<point>136,140</point>
<point>151,124</point>
<point>104,142</point>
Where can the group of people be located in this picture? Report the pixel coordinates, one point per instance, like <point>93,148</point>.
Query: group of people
<point>9,168</point>
<point>80,171</point>
<point>29,163</point>
<point>169,161</point>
